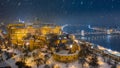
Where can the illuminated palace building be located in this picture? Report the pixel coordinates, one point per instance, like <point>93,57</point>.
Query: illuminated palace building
<point>33,36</point>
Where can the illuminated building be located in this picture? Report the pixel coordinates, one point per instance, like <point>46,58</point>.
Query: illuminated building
<point>20,34</point>
<point>33,36</point>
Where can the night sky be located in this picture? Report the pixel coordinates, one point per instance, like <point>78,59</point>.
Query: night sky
<point>105,12</point>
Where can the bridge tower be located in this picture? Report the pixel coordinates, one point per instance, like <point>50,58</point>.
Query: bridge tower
<point>82,33</point>
<point>89,26</point>
<point>108,31</point>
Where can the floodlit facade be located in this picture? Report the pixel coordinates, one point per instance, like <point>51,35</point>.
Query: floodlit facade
<point>22,34</point>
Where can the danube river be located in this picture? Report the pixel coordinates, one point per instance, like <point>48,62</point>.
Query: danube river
<point>110,41</point>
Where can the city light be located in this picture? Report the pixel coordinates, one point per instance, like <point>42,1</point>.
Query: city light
<point>71,46</point>
<point>59,34</point>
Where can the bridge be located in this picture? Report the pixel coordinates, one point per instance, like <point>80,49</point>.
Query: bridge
<point>83,33</point>
<point>96,30</point>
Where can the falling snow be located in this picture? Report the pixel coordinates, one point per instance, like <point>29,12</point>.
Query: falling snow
<point>19,3</point>
<point>81,3</point>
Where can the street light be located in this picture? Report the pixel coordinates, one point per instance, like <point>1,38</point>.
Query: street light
<point>72,66</point>
<point>27,43</point>
<point>71,46</point>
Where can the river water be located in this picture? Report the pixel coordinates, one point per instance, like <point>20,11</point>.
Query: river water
<point>109,41</point>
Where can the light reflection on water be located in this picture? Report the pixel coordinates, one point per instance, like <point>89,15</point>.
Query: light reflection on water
<point>108,41</point>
